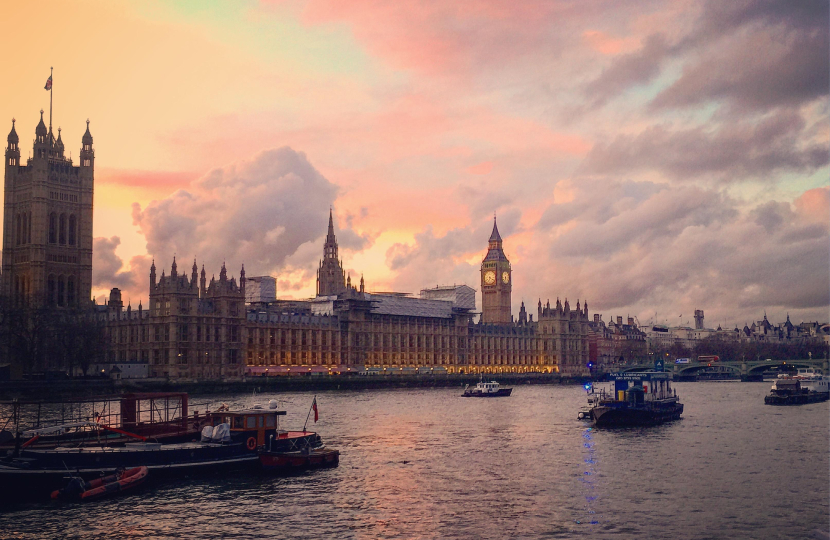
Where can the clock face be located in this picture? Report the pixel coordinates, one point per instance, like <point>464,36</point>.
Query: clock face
<point>489,277</point>
<point>505,277</point>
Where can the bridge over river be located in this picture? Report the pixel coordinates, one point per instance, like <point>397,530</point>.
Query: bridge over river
<point>747,370</point>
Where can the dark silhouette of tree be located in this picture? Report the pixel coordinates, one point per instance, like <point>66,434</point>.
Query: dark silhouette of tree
<point>37,340</point>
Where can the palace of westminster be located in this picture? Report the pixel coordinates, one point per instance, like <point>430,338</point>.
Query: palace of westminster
<point>193,328</point>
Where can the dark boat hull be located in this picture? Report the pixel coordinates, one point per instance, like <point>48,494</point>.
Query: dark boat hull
<point>502,392</point>
<point>628,416</point>
<point>797,399</point>
<point>31,484</point>
<point>38,472</point>
<point>285,461</point>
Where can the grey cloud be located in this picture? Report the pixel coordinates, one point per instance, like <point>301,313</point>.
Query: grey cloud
<point>610,198</point>
<point>629,70</point>
<point>685,247</point>
<point>771,215</point>
<point>653,222</point>
<point>750,54</point>
<point>440,260</point>
<point>640,248</point>
<point>732,152</point>
<point>257,212</point>
<point>756,71</point>
<point>718,17</point>
<point>108,269</point>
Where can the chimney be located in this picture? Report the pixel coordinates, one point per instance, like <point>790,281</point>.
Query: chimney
<point>619,319</point>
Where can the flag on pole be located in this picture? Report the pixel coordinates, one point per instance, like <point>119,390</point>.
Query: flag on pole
<point>48,83</point>
<point>314,407</point>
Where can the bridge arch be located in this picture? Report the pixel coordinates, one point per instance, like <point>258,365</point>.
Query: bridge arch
<point>759,367</point>
<point>692,369</point>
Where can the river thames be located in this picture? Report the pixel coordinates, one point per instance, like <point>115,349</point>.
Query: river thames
<point>425,463</point>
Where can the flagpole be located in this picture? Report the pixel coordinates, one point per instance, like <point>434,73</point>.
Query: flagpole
<point>309,412</point>
<point>50,98</point>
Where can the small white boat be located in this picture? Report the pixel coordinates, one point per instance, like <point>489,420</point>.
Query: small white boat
<point>486,389</point>
<point>813,380</point>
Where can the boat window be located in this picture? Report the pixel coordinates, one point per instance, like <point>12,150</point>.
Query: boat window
<point>261,421</point>
<point>250,422</point>
<point>237,422</point>
<point>269,420</point>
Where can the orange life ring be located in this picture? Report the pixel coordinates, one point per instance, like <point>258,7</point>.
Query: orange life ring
<point>251,443</point>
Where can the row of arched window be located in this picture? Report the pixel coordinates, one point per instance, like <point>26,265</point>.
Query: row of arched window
<point>24,228</point>
<point>60,290</point>
<point>62,230</point>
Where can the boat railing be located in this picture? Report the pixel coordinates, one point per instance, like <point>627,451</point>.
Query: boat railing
<point>147,414</point>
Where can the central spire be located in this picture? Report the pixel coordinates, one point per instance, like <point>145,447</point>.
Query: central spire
<point>330,235</point>
<point>330,247</point>
<point>330,276</point>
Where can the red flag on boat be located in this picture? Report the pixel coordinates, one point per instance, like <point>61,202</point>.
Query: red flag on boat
<point>314,406</point>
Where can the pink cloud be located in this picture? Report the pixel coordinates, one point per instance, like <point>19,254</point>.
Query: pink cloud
<point>605,44</point>
<point>814,204</point>
<point>482,168</point>
<point>443,37</point>
<point>146,179</point>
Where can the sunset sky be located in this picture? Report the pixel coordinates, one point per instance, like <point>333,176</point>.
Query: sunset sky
<point>650,157</point>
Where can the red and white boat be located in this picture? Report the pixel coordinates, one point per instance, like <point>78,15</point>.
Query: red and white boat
<point>122,480</point>
<point>297,450</point>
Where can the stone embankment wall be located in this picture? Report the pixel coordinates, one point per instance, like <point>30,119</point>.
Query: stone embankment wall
<point>55,389</point>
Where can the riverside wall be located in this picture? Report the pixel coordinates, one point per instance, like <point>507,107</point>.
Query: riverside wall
<point>78,388</point>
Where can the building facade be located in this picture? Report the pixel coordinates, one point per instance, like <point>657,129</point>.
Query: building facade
<point>616,343</point>
<point>47,221</point>
<point>196,330</point>
<point>192,329</point>
<point>358,331</point>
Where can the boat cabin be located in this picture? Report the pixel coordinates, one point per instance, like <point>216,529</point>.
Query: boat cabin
<point>643,387</point>
<point>487,387</point>
<point>786,386</point>
<point>247,423</point>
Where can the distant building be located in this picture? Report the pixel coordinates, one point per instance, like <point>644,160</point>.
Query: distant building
<point>616,343</point>
<point>461,296</point>
<point>260,290</point>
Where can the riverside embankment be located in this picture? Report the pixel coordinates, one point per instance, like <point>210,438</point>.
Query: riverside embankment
<point>62,388</point>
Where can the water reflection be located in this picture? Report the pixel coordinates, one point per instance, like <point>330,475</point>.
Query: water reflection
<point>590,478</point>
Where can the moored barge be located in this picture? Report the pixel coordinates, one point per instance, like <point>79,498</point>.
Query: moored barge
<point>231,440</point>
<point>639,399</point>
<point>808,386</point>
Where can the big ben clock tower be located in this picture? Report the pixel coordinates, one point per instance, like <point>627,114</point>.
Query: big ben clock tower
<point>496,283</point>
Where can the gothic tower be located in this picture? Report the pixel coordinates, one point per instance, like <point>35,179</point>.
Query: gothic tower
<point>496,283</point>
<point>331,279</point>
<point>47,222</point>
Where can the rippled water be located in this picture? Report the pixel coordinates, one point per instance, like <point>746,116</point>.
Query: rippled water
<point>425,463</point>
